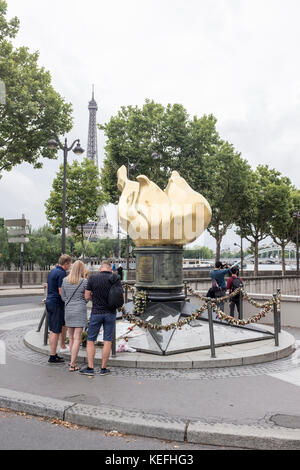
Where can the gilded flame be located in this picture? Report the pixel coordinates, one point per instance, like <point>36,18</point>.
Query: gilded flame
<point>176,216</point>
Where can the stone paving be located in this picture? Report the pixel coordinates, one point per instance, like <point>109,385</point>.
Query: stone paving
<point>15,324</point>
<point>275,384</point>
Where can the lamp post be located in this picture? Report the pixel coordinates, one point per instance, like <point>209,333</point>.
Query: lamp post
<point>296,215</point>
<point>242,254</point>
<point>53,143</point>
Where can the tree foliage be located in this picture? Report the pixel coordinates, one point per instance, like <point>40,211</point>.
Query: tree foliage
<point>33,109</point>
<point>136,133</point>
<point>193,147</point>
<point>83,197</point>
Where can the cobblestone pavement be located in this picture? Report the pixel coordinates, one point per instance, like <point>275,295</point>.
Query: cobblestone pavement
<point>16,348</point>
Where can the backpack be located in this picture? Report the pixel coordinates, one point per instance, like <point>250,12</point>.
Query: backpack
<point>115,298</point>
<point>236,284</point>
<point>216,289</point>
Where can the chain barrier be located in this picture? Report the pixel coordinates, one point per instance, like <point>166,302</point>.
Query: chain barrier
<point>140,304</point>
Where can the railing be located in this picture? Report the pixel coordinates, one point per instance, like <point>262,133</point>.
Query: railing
<point>210,305</point>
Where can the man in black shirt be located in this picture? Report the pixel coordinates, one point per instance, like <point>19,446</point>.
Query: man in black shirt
<point>97,290</point>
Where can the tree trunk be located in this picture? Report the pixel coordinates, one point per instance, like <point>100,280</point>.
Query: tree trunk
<point>255,257</point>
<point>283,259</point>
<point>82,244</point>
<point>218,249</point>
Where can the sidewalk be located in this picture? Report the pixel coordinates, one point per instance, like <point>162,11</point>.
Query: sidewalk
<point>250,406</point>
<point>15,291</point>
<point>245,407</point>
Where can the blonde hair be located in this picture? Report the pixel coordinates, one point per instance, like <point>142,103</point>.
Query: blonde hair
<point>86,273</point>
<point>105,264</point>
<point>77,272</point>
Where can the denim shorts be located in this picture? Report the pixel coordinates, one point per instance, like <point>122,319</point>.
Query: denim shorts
<point>56,317</point>
<point>108,320</point>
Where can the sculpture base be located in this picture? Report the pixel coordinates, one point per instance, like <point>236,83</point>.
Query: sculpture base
<point>190,337</point>
<point>159,272</point>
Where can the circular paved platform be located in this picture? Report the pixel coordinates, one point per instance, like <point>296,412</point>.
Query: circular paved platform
<point>255,352</point>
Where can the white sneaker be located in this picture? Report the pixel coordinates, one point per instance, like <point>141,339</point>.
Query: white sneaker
<point>65,350</point>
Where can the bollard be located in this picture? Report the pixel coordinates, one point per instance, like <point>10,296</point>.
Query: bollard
<point>276,321</point>
<point>241,314</point>
<point>42,321</point>
<point>113,346</point>
<point>279,312</point>
<point>211,330</point>
<point>45,311</point>
<point>46,328</point>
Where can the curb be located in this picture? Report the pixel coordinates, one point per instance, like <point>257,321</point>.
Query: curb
<point>153,425</point>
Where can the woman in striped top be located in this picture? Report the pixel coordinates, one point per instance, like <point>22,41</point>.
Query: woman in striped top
<point>72,293</point>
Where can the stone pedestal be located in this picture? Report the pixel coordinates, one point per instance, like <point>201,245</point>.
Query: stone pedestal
<point>159,272</point>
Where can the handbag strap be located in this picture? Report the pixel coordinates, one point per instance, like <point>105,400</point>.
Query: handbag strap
<point>74,292</point>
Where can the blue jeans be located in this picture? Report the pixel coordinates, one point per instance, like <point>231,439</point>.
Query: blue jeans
<point>108,320</point>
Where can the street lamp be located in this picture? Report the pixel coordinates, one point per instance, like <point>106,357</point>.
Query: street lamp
<point>242,254</point>
<point>296,215</point>
<point>53,143</point>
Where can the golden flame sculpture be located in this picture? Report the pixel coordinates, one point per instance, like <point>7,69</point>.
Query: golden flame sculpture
<point>176,216</point>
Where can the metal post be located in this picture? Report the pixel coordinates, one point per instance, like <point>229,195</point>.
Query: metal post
<point>279,313</point>
<point>242,257</point>
<point>63,235</point>
<point>113,346</point>
<point>127,255</point>
<point>21,265</point>
<point>241,314</point>
<point>211,330</point>
<point>46,328</point>
<point>297,242</point>
<point>276,322</point>
<point>119,242</point>
<point>42,321</point>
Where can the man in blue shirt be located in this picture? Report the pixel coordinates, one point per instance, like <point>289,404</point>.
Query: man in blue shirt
<point>219,274</point>
<point>55,306</point>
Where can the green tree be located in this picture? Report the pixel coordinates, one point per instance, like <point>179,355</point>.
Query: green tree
<point>282,222</point>
<point>135,133</point>
<point>33,109</point>
<point>201,252</point>
<point>83,197</point>
<point>4,248</point>
<point>227,184</point>
<point>258,211</point>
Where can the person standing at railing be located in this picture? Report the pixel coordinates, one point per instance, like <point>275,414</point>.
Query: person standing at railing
<point>234,283</point>
<point>56,307</point>
<point>72,293</point>
<point>218,279</point>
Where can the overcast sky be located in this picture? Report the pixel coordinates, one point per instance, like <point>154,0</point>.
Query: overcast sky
<point>236,59</point>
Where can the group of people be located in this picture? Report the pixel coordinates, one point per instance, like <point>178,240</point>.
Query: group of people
<point>220,286</point>
<point>66,304</point>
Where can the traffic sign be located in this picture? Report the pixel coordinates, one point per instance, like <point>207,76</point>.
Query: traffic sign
<point>16,223</point>
<point>18,231</point>
<point>18,240</point>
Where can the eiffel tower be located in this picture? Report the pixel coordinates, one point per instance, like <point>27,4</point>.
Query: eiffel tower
<point>92,146</point>
<point>99,228</point>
